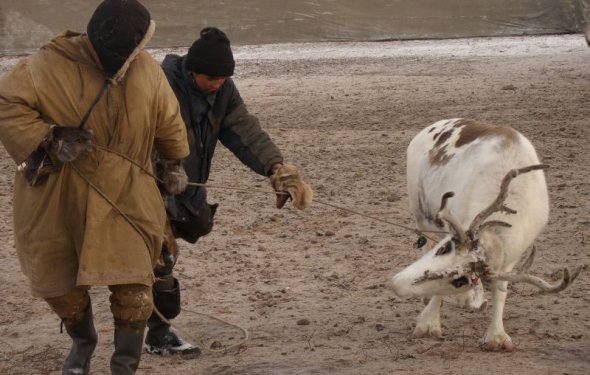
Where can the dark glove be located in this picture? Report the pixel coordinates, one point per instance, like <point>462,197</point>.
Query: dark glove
<point>171,175</point>
<point>67,143</point>
<point>287,179</point>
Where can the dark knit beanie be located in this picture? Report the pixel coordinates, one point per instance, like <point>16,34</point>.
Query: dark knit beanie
<point>211,54</point>
<point>115,29</point>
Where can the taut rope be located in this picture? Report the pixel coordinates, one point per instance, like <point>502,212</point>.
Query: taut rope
<point>137,229</point>
<point>414,230</point>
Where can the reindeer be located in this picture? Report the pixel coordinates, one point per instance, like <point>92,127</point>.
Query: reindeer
<point>480,190</point>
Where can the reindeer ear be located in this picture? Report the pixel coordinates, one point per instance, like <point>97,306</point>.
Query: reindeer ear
<point>421,241</point>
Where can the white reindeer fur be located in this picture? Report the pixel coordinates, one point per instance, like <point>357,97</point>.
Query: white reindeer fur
<point>474,172</point>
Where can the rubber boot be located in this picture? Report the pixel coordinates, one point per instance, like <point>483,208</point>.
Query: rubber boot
<point>166,292</point>
<point>160,339</point>
<point>157,328</point>
<point>128,347</point>
<point>84,339</point>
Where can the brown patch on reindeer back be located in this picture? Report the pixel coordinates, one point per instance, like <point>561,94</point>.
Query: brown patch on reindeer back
<point>471,131</point>
<point>439,156</point>
<point>444,136</point>
<point>464,122</point>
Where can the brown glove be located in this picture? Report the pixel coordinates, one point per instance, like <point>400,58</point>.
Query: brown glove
<point>172,177</point>
<point>287,179</point>
<point>67,143</point>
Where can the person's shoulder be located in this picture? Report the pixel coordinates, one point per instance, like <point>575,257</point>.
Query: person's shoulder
<point>146,58</point>
<point>145,62</point>
<point>230,85</point>
<point>59,54</point>
<point>171,58</point>
<point>171,63</point>
<point>172,67</point>
<point>66,44</point>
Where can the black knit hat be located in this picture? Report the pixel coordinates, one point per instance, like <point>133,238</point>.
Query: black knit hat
<point>115,29</point>
<point>211,54</point>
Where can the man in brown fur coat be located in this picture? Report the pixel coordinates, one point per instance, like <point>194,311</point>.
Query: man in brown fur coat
<point>96,218</point>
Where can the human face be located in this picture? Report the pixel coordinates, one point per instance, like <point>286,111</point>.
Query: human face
<point>207,83</point>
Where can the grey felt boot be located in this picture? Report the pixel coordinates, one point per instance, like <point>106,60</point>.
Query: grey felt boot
<point>84,338</point>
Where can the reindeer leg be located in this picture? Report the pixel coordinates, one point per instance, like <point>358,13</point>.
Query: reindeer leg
<point>496,338</point>
<point>428,323</point>
<point>473,300</point>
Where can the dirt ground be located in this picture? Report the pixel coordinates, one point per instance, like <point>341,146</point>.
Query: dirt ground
<point>310,288</point>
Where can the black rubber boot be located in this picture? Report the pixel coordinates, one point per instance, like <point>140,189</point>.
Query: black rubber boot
<point>160,339</point>
<point>128,346</point>
<point>84,339</point>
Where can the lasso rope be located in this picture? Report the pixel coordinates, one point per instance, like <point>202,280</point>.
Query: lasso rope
<point>248,190</point>
<point>138,230</point>
<point>207,347</point>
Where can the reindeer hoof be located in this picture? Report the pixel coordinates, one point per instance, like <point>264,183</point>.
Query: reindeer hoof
<point>499,344</point>
<point>424,331</point>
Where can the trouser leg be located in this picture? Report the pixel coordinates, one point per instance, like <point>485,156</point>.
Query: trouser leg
<point>166,292</point>
<point>75,310</point>
<point>160,339</point>
<point>131,306</point>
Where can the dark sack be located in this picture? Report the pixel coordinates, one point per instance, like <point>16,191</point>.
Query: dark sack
<point>190,215</point>
<point>38,166</point>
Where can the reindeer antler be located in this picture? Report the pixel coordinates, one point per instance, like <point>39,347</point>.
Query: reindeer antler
<point>498,204</point>
<point>545,287</point>
<point>445,214</point>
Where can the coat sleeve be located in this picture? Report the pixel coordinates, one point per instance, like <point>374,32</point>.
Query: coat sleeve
<point>171,140</point>
<point>242,134</point>
<point>22,128</point>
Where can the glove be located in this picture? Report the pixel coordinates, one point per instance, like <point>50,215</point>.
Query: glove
<point>67,143</point>
<point>287,179</point>
<point>172,178</point>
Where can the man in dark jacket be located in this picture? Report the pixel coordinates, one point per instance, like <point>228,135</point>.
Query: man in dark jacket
<point>212,110</point>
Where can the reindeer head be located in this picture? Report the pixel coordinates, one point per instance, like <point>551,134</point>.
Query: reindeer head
<point>448,268</point>
<point>457,262</point>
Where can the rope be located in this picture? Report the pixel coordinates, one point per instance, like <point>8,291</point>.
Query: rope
<point>146,241</point>
<point>113,204</point>
<point>138,230</point>
<point>417,231</point>
<point>208,348</point>
<point>248,190</point>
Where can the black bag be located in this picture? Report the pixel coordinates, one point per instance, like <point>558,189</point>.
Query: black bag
<point>38,167</point>
<point>190,215</point>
